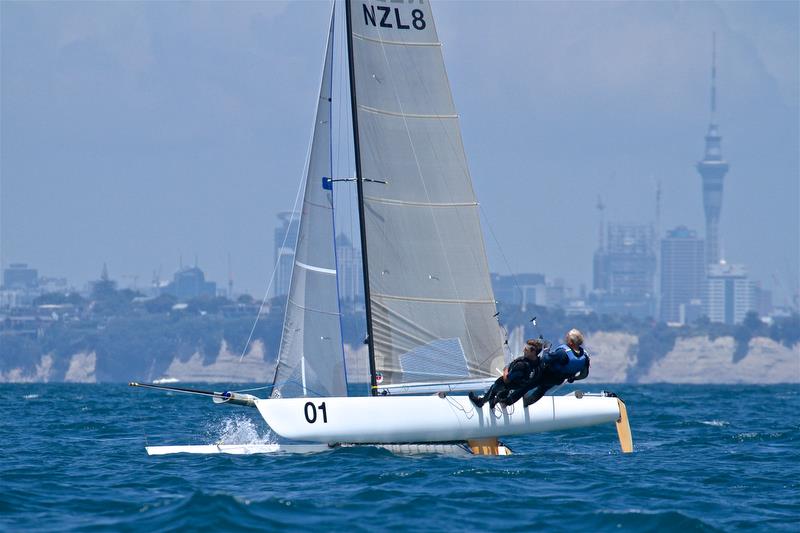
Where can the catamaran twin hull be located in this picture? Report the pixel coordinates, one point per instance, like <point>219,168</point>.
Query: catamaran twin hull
<point>371,420</point>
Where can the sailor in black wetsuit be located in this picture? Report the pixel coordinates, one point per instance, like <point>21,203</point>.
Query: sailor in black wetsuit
<point>567,362</point>
<point>520,376</point>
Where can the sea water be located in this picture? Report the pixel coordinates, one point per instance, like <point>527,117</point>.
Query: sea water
<point>706,458</point>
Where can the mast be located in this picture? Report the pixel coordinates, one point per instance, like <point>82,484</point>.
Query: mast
<point>360,190</point>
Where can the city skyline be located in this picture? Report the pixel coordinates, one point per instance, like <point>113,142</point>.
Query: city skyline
<point>561,118</point>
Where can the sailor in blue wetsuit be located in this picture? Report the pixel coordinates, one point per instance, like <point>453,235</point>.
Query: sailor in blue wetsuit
<point>568,362</point>
<point>520,376</point>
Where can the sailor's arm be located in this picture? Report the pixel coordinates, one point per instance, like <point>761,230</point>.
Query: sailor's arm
<point>583,374</point>
<point>515,375</point>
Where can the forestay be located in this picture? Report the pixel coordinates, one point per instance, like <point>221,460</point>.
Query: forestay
<point>311,358</point>
<point>432,306</point>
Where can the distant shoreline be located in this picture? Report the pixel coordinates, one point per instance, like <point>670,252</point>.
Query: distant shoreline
<point>616,359</point>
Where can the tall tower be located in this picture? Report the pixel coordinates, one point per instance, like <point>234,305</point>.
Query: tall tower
<point>712,169</point>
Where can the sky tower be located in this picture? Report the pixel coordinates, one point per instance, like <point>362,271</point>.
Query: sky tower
<point>713,169</point>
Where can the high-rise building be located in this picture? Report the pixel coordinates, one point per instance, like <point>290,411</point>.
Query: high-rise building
<point>520,290</point>
<point>712,169</point>
<point>624,272</point>
<point>683,272</point>
<point>348,259</point>
<point>20,276</point>
<point>730,294</point>
<point>285,242</point>
<point>188,283</point>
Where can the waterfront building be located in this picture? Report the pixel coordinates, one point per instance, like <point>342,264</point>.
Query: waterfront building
<point>762,300</point>
<point>683,269</point>
<point>102,287</point>
<point>13,298</point>
<point>20,276</point>
<point>351,279</point>
<point>189,283</point>
<point>730,293</point>
<point>520,290</point>
<point>285,242</point>
<point>691,312</point>
<point>624,272</point>
<point>53,285</point>
<point>712,170</point>
<point>557,294</point>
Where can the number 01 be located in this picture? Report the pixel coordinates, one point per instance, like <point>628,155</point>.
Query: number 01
<point>311,413</point>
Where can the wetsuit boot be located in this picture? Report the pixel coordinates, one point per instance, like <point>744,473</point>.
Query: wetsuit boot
<point>501,397</point>
<point>477,400</point>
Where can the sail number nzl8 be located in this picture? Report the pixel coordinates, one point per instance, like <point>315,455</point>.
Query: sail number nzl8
<point>383,19</point>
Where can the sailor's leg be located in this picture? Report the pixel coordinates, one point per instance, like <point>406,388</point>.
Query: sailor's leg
<point>536,395</point>
<point>515,395</point>
<point>500,395</point>
<point>491,393</point>
<point>477,400</point>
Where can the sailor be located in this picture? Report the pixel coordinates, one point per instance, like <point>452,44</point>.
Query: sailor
<point>568,362</point>
<point>519,377</point>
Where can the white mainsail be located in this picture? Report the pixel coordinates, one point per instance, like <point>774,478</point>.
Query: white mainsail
<point>311,357</point>
<point>431,306</point>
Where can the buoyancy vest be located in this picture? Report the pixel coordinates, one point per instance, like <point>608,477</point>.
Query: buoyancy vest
<point>521,370</point>
<point>574,363</point>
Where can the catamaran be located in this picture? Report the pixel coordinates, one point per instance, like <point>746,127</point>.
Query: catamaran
<point>431,320</point>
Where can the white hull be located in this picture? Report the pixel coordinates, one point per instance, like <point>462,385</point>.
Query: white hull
<point>411,419</point>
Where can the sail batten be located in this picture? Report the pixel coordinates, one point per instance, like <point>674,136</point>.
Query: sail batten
<point>405,115</point>
<point>406,43</point>
<point>420,204</point>
<point>316,268</point>
<point>439,300</point>
<point>313,309</point>
<point>430,304</point>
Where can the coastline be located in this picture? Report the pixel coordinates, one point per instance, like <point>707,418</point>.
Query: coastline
<point>616,358</point>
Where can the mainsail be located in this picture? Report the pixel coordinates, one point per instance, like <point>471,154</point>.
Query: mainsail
<point>311,358</point>
<point>430,302</point>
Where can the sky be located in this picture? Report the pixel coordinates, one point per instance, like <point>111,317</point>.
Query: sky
<point>142,134</point>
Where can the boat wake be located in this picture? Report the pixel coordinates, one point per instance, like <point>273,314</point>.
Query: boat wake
<point>236,435</point>
<point>240,430</point>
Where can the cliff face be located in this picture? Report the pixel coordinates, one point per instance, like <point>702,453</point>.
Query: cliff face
<point>701,360</point>
<point>693,360</point>
<point>254,367</point>
<point>41,373</point>
<point>82,368</point>
<point>614,356</point>
<point>615,359</point>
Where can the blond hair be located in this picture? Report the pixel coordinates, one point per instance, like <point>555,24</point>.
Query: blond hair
<point>574,336</point>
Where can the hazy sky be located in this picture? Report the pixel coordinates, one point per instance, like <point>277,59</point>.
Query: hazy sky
<point>133,133</point>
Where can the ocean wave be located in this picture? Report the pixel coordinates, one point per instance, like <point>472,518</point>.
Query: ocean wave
<point>715,423</point>
<point>700,466</point>
<point>647,520</point>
